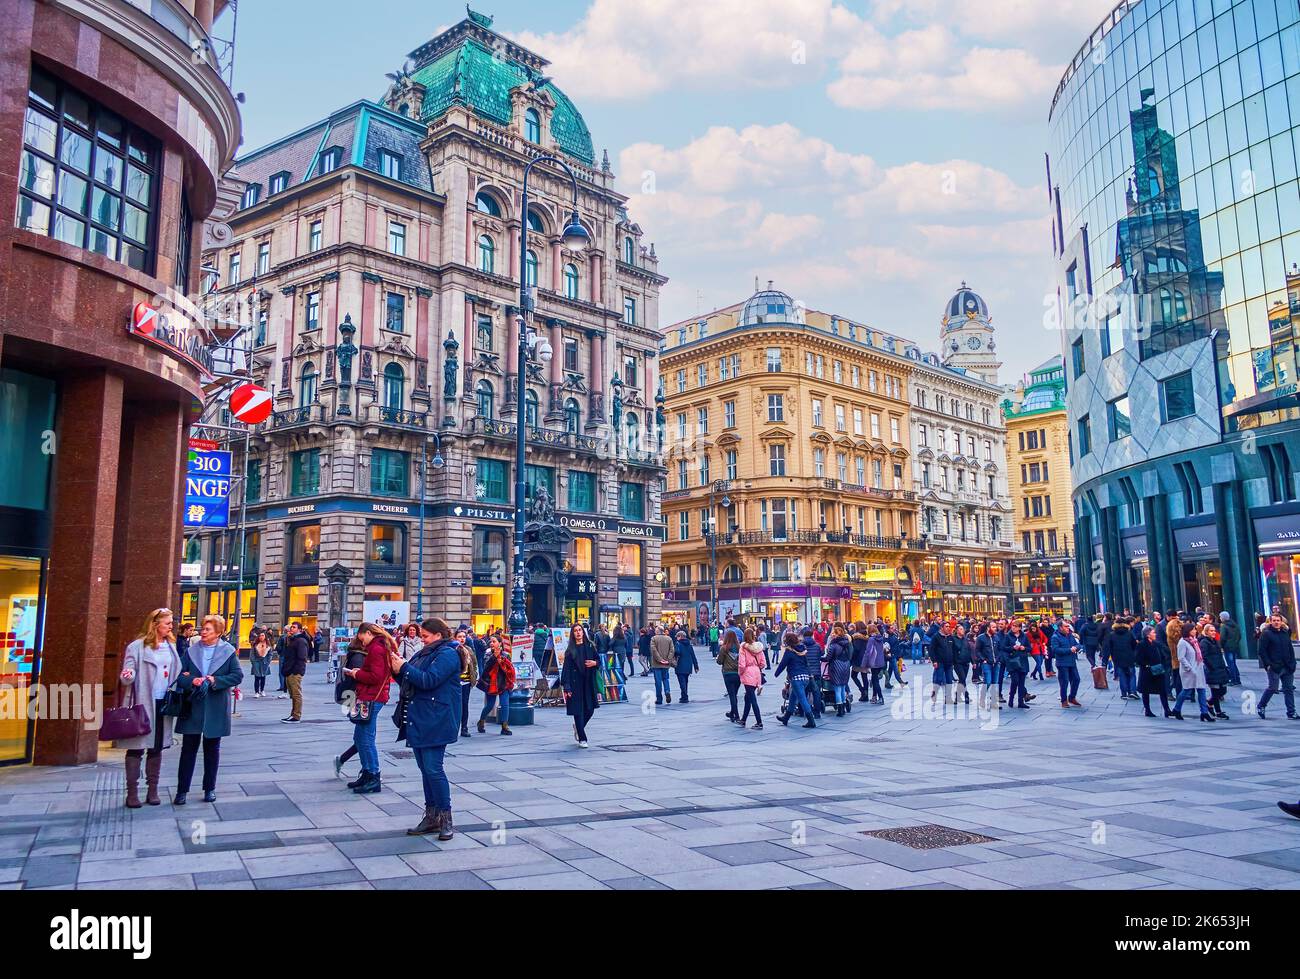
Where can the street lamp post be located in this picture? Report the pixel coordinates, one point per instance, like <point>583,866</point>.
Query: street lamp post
<point>574,238</point>
<point>436,439</point>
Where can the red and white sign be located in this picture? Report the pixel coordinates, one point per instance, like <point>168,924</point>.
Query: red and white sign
<point>204,445</point>
<point>250,404</point>
<point>174,332</point>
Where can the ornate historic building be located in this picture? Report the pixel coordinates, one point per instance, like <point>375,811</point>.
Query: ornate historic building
<point>1038,446</point>
<point>380,251</point>
<point>959,460</point>
<point>115,124</point>
<point>788,452</point>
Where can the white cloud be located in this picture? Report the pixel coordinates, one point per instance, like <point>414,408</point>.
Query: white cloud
<point>952,187</point>
<point>1001,19</point>
<point>777,232</point>
<point>635,48</point>
<point>1030,237</point>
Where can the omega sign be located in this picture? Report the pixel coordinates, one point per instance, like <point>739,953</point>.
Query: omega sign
<point>174,333</point>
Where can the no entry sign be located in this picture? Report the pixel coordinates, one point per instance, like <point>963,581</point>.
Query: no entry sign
<point>250,404</point>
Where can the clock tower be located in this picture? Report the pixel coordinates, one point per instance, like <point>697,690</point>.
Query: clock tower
<point>966,340</point>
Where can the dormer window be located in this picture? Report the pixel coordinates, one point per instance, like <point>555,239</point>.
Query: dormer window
<point>251,195</point>
<point>278,183</point>
<point>329,161</point>
<point>532,126</point>
<point>390,164</point>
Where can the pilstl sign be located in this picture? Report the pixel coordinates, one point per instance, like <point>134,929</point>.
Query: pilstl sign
<point>178,335</point>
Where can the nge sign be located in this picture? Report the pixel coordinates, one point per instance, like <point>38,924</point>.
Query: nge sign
<point>207,488</point>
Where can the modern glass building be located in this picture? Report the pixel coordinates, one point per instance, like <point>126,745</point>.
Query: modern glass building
<point>1175,136</point>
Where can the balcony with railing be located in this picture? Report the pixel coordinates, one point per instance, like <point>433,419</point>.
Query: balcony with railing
<point>397,417</point>
<point>556,438</point>
<point>312,414</point>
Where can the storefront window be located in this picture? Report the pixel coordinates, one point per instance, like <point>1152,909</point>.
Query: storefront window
<point>1281,575</point>
<point>26,439</point>
<point>223,603</point>
<point>306,545</point>
<point>190,608</point>
<point>304,600</point>
<point>583,557</point>
<point>21,632</point>
<point>490,555</point>
<point>387,545</point>
<point>487,608</point>
<point>629,560</point>
<point>995,573</point>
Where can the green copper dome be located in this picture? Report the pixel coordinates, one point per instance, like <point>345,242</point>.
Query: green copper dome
<point>470,74</point>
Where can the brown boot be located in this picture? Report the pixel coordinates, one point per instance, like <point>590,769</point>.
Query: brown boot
<point>431,823</point>
<point>152,768</point>
<point>505,729</point>
<point>133,782</point>
<point>445,828</point>
<point>482,726</point>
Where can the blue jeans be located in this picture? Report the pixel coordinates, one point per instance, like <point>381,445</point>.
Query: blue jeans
<point>891,670</point>
<point>1285,682</point>
<point>841,692</point>
<point>942,675</point>
<point>363,736</point>
<point>437,790</point>
<point>916,652</point>
<point>663,685</point>
<point>813,690</point>
<point>989,672</point>
<point>1234,674</point>
<point>1067,675</point>
<point>501,701</point>
<point>1127,681</point>
<point>1185,694</point>
<point>799,699</point>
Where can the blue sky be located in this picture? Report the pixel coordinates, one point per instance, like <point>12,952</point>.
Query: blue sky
<point>867,156</point>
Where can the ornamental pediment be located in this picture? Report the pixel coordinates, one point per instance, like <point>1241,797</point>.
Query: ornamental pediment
<point>777,433</point>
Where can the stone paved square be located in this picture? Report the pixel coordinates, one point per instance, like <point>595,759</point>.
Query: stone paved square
<point>1101,798</point>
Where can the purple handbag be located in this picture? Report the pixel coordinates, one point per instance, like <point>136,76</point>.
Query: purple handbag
<point>121,723</point>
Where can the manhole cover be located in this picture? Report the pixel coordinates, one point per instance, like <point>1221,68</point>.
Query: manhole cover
<point>928,837</point>
<point>400,754</point>
<point>633,747</point>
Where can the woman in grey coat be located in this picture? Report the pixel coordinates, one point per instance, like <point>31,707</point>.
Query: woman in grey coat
<point>150,665</point>
<point>209,669</point>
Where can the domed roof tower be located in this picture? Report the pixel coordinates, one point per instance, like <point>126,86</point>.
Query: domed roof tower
<point>770,305</point>
<point>966,337</point>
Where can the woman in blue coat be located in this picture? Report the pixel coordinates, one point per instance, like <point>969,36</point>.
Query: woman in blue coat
<point>209,669</point>
<point>428,717</point>
<point>686,664</point>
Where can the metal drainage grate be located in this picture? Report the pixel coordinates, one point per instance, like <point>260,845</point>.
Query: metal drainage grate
<point>633,747</point>
<point>928,837</point>
<point>399,754</point>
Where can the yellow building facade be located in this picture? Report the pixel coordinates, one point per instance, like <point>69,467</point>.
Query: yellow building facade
<point>1038,458</point>
<point>788,454</point>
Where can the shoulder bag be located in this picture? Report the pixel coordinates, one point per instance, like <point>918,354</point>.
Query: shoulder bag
<point>123,722</point>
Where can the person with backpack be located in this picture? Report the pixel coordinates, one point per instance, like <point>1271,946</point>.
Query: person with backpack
<point>838,657</point>
<point>728,658</point>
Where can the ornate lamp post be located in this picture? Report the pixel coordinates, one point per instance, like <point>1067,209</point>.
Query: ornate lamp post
<point>713,541</point>
<point>344,353</point>
<point>425,462</point>
<point>575,238</point>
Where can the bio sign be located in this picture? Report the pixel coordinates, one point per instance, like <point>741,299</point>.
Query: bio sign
<point>207,486</point>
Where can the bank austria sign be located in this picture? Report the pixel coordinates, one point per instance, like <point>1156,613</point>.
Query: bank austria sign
<point>163,325</point>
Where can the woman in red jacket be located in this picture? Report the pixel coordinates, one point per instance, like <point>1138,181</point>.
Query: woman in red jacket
<point>372,680</point>
<point>496,682</point>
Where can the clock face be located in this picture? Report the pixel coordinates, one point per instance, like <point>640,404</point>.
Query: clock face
<point>973,343</point>
<point>970,305</point>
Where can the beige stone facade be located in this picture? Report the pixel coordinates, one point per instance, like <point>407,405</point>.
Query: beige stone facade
<point>391,232</point>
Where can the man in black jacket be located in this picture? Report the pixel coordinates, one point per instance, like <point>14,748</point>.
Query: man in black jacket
<point>1230,641</point>
<point>1277,656</point>
<point>294,665</point>
<point>943,654</point>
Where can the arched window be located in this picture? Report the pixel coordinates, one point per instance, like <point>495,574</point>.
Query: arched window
<point>1153,182</point>
<point>486,406</point>
<point>633,432</point>
<point>487,204</point>
<point>530,268</point>
<point>570,281</point>
<point>826,573</point>
<point>732,572</point>
<point>404,110</point>
<point>629,250</point>
<point>486,254</point>
<point>394,387</point>
<point>532,126</point>
<point>1180,305</point>
<point>307,385</point>
<point>572,417</point>
<point>1166,306</point>
<point>535,222</point>
<point>530,408</point>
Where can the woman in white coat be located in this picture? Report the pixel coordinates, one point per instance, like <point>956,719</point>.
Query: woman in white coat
<point>1191,671</point>
<point>150,665</point>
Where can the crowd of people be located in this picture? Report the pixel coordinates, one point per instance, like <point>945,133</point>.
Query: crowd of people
<point>184,678</point>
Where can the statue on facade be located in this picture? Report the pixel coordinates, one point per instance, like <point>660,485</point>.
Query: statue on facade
<point>450,368</point>
<point>542,509</point>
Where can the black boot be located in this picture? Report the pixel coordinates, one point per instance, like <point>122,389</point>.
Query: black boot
<point>360,780</point>
<point>445,829</point>
<point>371,783</point>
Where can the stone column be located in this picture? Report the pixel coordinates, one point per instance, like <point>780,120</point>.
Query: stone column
<point>85,490</point>
<point>555,266</point>
<point>596,411</point>
<point>555,409</point>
